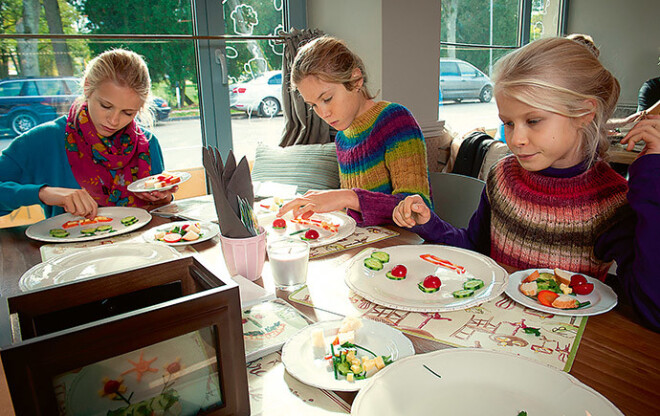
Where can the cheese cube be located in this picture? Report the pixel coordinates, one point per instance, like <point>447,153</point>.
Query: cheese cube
<point>349,377</point>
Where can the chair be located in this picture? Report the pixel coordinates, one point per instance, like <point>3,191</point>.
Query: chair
<point>455,197</point>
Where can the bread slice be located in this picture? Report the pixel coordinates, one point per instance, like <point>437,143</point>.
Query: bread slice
<point>565,302</point>
<point>563,276</point>
<point>529,288</point>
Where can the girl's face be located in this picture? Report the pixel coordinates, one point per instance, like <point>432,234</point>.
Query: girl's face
<point>336,105</point>
<point>540,139</point>
<point>111,107</point>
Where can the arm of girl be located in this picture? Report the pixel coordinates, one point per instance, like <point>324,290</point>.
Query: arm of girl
<point>74,201</point>
<point>321,201</point>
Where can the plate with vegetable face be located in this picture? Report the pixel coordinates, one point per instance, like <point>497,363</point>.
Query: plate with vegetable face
<point>181,233</point>
<point>109,221</point>
<point>601,299</point>
<point>425,278</point>
<point>94,262</point>
<point>319,230</point>
<point>160,182</point>
<point>309,364</point>
<point>470,381</point>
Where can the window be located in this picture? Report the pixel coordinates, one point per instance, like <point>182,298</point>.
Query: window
<point>475,33</point>
<point>191,65</point>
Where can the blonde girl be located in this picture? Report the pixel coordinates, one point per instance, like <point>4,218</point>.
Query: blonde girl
<point>380,147</point>
<point>556,202</point>
<point>87,159</point>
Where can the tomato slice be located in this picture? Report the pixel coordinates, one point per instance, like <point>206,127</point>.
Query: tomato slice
<point>577,279</point>
<point>279,223</point>
<point>546,297</point>
<point>432,282</point>
<point>399,271</point>
<point>312,234</point>
<point>583,289</point>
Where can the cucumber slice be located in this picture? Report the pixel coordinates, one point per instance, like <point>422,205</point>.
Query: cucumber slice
<point>473,284</point>
<point>373,264</point>
<point>59,233</point>
<point>462,293</point>
<point>130,220</point>
<point>344,368</point>
<point>103,228</point>
<point>381,256</point>
<point>427,289</point>
<point>393,277</point>
<point>88,231</point>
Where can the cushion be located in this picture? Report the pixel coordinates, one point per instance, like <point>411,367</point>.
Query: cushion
<point>311,166</point>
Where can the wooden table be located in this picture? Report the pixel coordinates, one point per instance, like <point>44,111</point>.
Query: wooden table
<point>617,357</point>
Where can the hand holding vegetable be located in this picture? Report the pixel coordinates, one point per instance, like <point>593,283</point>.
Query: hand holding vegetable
<point>74,201</point>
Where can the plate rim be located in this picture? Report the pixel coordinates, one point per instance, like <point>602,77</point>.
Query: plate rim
<point>357,403</point>
<point>428,308</point>
<point>137,212</point>
<point>356,385</point>
<point>183,175</point>
<point>148,235</point>
<point>513,292</point>
<point>24,289</point>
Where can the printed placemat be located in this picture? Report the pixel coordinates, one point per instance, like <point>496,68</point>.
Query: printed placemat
<point>273,392</point>
<point>361,237</point>
<point>498,325</point>
<point>268,325</point>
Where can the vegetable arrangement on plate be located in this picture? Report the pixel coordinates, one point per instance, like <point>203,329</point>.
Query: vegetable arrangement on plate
<point>185,232</point>
<point>90,231</point>
<point>557,290</point>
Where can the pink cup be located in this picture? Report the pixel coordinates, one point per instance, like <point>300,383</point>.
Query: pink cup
<point>245,256</point>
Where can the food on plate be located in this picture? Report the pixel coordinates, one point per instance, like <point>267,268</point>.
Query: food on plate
<point>275,206</point>
<point>162,180</point>
<point>556,290</point>
<point>128,221</point>
<point>58,233</point>
<point>375,262</point>
<point>310,235</point>
<point>279,224</point>
<point>430,284</point>
<point>399,272</point>
<point>326,225</point>
<point>444,263</point>
<point>85,221</point>
<point>185,232</point>
<point>344,353</point>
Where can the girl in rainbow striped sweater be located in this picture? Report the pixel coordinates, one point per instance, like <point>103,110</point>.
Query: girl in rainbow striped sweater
<point>555,202</point>
<point>380,147</point>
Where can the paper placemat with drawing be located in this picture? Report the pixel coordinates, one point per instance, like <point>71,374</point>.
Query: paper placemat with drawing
<point>499,325</point>
<point>360,237</point>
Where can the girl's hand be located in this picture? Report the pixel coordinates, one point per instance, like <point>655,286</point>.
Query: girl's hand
<point>411,211</point>
<point>157,197</point>
<point>648,130</point>
<point>321,201</point>
<point>74,201</point>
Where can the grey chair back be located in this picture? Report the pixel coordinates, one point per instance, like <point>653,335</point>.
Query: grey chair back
<point>455,197</point>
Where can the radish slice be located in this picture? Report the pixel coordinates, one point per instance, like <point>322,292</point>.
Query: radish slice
<point>172,237</point>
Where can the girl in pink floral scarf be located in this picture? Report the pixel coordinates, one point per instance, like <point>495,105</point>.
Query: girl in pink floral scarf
<point>105,147</point>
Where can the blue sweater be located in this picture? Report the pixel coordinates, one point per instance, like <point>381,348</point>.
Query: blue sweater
<point>37,158</point>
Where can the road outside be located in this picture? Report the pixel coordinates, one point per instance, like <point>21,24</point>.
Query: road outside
<point>181,140</point>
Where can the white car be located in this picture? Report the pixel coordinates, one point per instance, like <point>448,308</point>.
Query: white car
<point>262,95</point>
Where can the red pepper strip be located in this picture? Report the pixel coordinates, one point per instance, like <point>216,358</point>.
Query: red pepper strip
<point>264,206</point>
<point>444,263</point>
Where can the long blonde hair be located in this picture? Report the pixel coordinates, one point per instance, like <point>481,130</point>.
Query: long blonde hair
<point>126,69</point>
<point>330,60</point>
<point>560,75</point>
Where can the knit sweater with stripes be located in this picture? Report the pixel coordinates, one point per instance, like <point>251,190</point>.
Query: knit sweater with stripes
<point>540,221</point>
<point>383,150</point>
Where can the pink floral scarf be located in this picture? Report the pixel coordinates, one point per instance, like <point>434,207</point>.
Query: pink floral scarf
<point>105,166</point>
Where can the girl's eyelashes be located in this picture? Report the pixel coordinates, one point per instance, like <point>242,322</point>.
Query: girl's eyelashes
<point>327,100</point>
<point>106,106</point>
<point>534,121</point>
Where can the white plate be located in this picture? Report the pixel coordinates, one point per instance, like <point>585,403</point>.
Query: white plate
<point>208,231</point>
<point>476,382</point>
<point>94,262</point>
<point>41,230</point>
<point>602,299</point>
<point>404,294</point>
<point>299,360</point>
<point>346,227</point>
<point>139,185</point>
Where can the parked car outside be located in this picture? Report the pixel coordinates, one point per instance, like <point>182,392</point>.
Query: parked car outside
<point>461,80</point>
<point>263,95</point>
<point>27,102</point>
<point>161,108</point>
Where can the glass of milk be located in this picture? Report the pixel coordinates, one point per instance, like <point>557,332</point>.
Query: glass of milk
<point>288,258</point>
